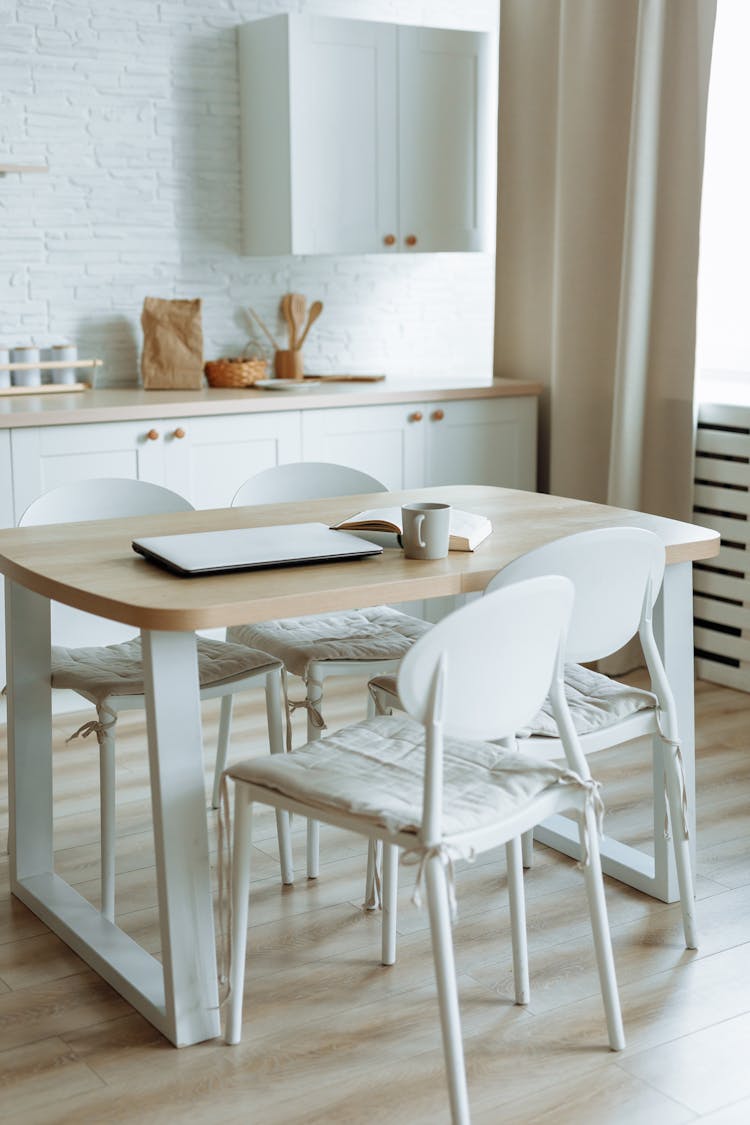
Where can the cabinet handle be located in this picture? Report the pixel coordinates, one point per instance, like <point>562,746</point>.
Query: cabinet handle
<point>389,239</point>
<point>179,432</point>
<point>438,415</point>
<point>416,416</point>
<point>152,435</point>
<point>411,240</point>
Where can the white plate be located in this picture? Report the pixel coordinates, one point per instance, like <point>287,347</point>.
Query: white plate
<point>285,385</point>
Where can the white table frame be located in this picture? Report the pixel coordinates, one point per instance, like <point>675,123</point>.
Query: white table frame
<point>179,994</point>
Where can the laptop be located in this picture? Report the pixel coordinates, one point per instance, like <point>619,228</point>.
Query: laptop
<point>253,548</point>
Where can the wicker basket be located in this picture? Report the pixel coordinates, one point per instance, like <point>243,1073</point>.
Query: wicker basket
<point>239,372</point>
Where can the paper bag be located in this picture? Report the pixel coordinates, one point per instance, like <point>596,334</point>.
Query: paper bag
<point>172,356</point>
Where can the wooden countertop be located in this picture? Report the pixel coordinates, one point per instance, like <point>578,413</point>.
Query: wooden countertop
<point>133,404</point>
<point>93,567</point>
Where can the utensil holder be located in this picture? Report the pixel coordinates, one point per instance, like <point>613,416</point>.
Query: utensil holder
<point>288,364</point>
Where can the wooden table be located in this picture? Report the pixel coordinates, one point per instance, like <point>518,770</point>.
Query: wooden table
<point>91,566</point>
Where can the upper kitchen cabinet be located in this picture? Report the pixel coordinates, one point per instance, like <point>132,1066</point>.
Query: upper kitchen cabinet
<point>362,137</point>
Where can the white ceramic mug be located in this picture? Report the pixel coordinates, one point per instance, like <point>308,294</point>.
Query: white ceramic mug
<point>32,376</point>
<point>426,531</point>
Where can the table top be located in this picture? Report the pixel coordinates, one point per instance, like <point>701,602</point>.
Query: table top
<point>92,566</point>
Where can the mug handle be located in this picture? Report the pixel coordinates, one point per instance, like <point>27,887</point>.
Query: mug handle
<point>418,530</point>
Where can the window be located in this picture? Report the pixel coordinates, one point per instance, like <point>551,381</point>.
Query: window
<point>723,346</point>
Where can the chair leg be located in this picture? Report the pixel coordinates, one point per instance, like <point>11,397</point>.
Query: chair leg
<point>222,745</point>
<point>445,974</point>
<point>527,848</point>
<point>315,697</point>
<point>517,902</point>
<point>390,894</point>
<point>107,816</point>
<point>681,846</point>
<point>243,812</point>
<point>600,929</point>
<point>276,744</point>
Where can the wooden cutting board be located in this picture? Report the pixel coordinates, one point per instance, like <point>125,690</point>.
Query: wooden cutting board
<point>346,378</point>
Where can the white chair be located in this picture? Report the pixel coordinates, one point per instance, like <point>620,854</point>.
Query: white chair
<point>617,573</point>
<point>434,786</point>
<point>365,642</point>
<point>111,675</point>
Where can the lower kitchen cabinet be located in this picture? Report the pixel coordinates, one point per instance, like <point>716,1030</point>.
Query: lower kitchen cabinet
<point>474,441</point>
<point>204,459</point>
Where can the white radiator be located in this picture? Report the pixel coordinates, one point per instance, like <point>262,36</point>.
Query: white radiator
<point>722,585</point>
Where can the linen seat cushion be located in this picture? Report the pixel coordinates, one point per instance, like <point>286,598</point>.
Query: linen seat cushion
<point>117,670</point>
<point>380,633</point>
<point>375,769</point>
<point>595,702</point>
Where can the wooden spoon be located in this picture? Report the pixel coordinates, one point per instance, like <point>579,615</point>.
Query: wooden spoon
<point>316,309</point>
<point>297,312</point>
<point>286,312</point>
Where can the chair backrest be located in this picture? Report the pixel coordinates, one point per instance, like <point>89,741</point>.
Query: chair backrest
<point>102,499</point>
<point>99,499</point>
<point>498,656</point>
<point>304,480</point>
<point>617,573</point>
<point>482,673</point>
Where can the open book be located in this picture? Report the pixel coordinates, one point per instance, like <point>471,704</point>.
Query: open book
<point>467,529</point>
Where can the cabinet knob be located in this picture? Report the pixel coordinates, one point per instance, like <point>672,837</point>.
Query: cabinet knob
<point>389,239</point>
<point>411,240</point>
<point>416,416</point>
<point>152,435</point>
<point>179,432</point>
<point>437,415</point>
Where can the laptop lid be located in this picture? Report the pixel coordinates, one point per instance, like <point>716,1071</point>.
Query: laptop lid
<point>252,548</point>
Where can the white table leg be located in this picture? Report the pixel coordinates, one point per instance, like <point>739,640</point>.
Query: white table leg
<point>180,997</point>
<point>181,836</point>
<point>29,733</point>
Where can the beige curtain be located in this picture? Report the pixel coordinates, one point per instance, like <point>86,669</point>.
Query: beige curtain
<point>601,134</point>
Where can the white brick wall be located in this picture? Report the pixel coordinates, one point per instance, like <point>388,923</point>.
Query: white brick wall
<point>135,108</point>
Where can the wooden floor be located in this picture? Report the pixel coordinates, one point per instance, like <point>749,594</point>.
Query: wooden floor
<point>331,1036</point>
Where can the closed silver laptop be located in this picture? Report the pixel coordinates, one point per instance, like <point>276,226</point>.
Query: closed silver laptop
<point>252,548</point>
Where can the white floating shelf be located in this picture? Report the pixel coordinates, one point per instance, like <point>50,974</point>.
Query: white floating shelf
<point>4,168</point>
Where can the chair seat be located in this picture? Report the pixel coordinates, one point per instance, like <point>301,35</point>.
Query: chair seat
<point>595,702</point>
<point>375,769</point>
<point>117,670</point>
<point>379,633</point>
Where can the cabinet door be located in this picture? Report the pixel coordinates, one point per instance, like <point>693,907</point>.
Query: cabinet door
<point>446,139</point>
<point>207,459</point>
<point>385,441</point>
<point>344,136</point>
<point>482,441</point>
<point>48,456</point>
<point>6,520</point>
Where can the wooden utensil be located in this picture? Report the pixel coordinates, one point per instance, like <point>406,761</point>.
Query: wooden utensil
<point>316,309</point>
<point>254,316</point>
<point>298,312</point>
<point>286,312</point>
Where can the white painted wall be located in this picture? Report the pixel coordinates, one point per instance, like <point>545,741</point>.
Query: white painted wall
<point>135,108</point>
